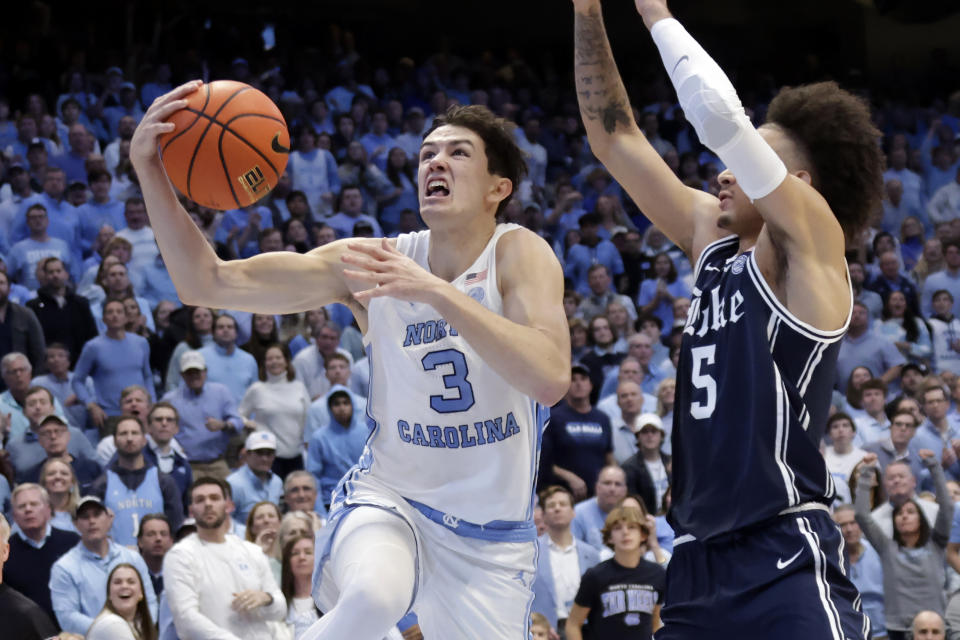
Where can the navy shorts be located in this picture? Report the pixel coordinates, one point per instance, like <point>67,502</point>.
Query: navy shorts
<point>785,580</point>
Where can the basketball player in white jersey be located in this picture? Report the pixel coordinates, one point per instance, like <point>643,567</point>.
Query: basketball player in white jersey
<point>468,344</point>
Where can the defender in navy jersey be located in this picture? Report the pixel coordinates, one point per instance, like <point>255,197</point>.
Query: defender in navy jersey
<point>757,555</point>
<point>467,344</point>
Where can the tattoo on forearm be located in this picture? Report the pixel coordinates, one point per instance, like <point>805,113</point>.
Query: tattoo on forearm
<point>600,91</point>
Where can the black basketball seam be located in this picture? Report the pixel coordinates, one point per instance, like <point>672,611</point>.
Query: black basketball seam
<point>206,101</point>
<point>226,127</point>
<point>196,149</point>
<point>242,115</point>
<point>223,163</point>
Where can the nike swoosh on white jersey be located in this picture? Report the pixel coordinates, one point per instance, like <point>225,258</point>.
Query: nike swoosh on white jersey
<point>781,564</point>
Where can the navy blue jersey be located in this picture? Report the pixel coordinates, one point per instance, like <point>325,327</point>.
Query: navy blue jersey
<point>753,392</point>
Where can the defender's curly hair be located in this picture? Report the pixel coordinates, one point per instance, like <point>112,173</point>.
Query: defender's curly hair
<point>835,132</point>
<point>504,157</point>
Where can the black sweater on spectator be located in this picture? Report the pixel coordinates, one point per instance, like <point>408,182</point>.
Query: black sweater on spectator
<point>22,618</point>
<point>28,569</point>
<point>71,325</point>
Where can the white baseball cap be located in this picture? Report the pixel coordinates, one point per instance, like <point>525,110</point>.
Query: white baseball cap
<point>260,440</point>
<point>192,360</point>
<point>651,419</point>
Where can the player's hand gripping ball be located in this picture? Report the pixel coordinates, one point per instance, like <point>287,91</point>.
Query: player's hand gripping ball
<point>230,146</point>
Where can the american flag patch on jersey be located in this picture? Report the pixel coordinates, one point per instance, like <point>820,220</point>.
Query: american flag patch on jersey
<point>473,278</point>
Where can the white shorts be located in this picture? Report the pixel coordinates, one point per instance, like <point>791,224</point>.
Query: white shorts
<point>465,588</point>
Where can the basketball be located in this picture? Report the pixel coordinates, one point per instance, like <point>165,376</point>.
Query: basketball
<point>230,146</point>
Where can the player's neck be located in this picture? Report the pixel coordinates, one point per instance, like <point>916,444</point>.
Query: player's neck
<point>454,248</point>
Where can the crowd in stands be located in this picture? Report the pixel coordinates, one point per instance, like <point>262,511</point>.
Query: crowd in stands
<point>146,445</point>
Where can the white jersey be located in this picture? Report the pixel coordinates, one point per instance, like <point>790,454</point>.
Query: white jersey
<point>449,434</point>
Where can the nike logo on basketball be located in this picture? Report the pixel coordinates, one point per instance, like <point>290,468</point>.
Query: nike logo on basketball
<point>276,146</point>
<point>678,64</point>
<point>783,565</point>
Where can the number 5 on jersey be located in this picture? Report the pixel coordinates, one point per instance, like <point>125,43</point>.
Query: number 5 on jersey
<point>703,357</point>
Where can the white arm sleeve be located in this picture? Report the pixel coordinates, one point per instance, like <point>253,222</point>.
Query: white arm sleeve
<point>711,105</point>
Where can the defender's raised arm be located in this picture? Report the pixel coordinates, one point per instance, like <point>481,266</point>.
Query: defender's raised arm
<point>685,215</point>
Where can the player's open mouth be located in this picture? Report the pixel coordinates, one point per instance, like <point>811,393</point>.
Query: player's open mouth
<point>437,188</point>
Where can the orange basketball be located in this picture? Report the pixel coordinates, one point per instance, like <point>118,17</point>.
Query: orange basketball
<point>229,148</point>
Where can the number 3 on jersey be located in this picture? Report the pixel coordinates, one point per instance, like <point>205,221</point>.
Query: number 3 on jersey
<point>703,357</point>
<point>456,380</point>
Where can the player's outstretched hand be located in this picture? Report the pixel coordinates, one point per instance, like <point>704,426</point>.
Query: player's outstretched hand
<point>388,273</point>
<point>926,453</point>
<point>143,146</point>
<point>870,460</point>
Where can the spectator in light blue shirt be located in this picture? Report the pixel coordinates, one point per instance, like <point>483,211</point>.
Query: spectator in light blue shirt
<point>254,482</point>
<point>864,567</point>
<point>115,360</point>
<point>157,285</point>
<point>863,348</point>
<point>378,142</point>
<point>937,433</point>
<point>336,447</point>
<point>589,251</point>
<point>26,254</point>
<point>227,364</point>
<point>351,212</point>
<point>25,449</point>
<point>590,515</point>
<point>101,210</point>
<point>78,580</point>
<point>948,279</point>
<point>208,414</point>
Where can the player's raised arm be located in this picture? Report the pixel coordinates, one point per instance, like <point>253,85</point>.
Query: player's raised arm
<point>280,282</point>
<point>680,212</point>
<point>797,216</point>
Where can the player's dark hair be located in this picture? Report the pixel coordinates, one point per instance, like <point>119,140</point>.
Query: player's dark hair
<point>924,525</point>
<point>835,131</point>
<point>504,157</point>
